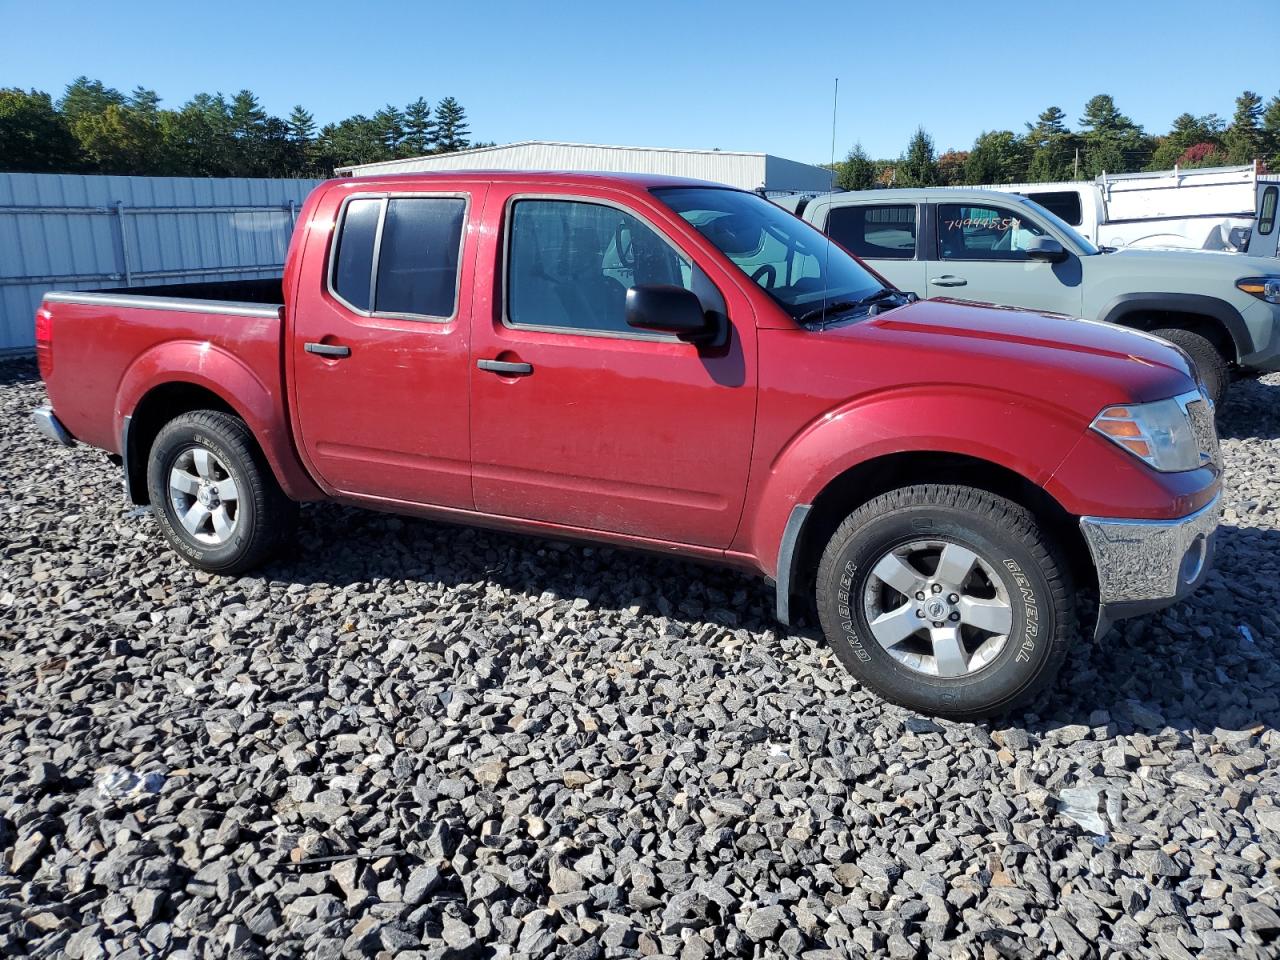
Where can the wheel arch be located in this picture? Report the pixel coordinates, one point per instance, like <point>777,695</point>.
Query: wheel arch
<point>1217,320</point>
<point>811,525</point>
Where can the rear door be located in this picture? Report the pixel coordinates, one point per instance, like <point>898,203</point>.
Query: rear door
<point>1262,240</point>
<point>885,235</point>
<point>980,254</point>
<point>380,346</point>
<point>578,419</point>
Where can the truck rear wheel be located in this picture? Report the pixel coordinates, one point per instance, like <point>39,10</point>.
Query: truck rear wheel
<point>1212,365</point>
<point>947,600</point>
<point>215,497</point>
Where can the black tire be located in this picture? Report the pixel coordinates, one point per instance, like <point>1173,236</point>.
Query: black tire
<point>1214,371</point>
<point>264,518</point>
<point>1008,540</point>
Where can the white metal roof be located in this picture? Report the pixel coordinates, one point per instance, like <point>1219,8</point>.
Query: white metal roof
<point>749,171</point>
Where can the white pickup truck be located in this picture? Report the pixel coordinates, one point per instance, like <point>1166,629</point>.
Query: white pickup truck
<point>1232,209</point>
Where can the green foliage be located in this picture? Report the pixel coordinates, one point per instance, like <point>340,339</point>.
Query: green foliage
<point>95,128</point>
<point>999,156</point>
<point>919,165</point>
<point>451,127</point>
<point>1186,133</point>
<point>856,171</point>
<point>1053,148</point>
<point>1112,143</point>
<point>34,135</point>
<point>1244,141</point>
<point>1271,134</point>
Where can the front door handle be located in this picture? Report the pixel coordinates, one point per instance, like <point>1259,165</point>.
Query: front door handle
<point>506,367</point>
<point>327,350</point>
<point>947,280</point>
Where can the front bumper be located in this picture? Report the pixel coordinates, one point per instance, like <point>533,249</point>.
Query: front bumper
<point>48,423</point>
<point>1146,565</point>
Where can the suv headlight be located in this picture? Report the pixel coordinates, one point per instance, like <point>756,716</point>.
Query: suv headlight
<point>1264,288</point>
<point>1159,433</point>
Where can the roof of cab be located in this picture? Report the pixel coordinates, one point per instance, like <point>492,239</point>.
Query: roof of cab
<point>937,194</point>
<point>641,181</point>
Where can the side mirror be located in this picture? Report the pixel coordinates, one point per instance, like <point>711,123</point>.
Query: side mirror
<point>666,308</point>
<point>1047,249</point>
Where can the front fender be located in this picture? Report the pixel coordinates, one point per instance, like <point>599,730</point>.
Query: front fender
<point>202,364</point>
<point>1027,436</point>
<point>1118,308</point>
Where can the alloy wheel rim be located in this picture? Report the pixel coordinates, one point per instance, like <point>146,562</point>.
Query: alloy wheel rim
<point>938,607</point>
<point>204,496</point>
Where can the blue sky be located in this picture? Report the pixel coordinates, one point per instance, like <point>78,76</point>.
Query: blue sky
<point>739,76</point>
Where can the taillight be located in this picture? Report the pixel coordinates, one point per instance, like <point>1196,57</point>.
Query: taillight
<point>44,342</point>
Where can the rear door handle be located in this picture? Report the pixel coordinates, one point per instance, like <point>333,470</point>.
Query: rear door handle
<point>327,349</point>
<point>506,367</point>
<point>948,280</point>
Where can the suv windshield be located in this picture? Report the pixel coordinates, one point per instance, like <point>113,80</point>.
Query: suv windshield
<point>1083,246</point>
<point>796,264</point>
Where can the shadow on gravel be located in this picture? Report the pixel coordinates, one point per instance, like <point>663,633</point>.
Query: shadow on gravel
<point>18,370</point>
<point>1210,662</point>
<point>1251,410</point>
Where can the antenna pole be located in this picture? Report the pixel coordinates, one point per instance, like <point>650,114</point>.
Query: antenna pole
<point>826,266</point>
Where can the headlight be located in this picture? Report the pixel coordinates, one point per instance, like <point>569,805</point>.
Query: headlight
<point>1159,433</point>
<point>1264,288</point>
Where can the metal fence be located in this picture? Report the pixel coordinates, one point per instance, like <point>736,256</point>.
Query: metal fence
<point>77,232</point>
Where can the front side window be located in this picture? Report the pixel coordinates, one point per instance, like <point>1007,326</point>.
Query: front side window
<point>416,240</point>
<point>791,260</point>
<point>968,232</point>
<point>880,232</point>
<point>571,262</point>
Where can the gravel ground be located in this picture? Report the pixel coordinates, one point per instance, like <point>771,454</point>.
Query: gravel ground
<point>416,740</point>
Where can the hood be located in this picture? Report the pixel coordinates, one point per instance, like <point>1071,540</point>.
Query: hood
<point>1217,261</point>
<point>1079,364</point>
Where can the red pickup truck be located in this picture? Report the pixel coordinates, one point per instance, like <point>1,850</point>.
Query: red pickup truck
<point>671,365</point>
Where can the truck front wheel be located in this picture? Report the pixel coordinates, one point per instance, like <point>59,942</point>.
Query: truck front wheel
<point>215,497</point>
<point>1212,365</point>
<point>947,600</point>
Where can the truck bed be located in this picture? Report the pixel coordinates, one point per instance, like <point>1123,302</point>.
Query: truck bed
<point>267,291</point>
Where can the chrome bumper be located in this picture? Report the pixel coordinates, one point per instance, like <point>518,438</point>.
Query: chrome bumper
<point>48,424</point>
<point>1146,565</point>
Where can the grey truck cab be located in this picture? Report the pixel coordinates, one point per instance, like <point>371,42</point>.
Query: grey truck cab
<point>1223,309</point>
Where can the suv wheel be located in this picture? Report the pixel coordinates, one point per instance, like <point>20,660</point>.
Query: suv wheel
<point>947,600</point>
<point>215,497</point>
<point>1211,364</point>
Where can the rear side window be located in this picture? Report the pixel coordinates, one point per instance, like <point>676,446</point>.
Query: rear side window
<point>1064,203</point>
<point>418,256</point>
<point>1267,216</point>
<point>570,264</point>
<point>416,243</point>
<point>353,270</point>
<point>883,232</point>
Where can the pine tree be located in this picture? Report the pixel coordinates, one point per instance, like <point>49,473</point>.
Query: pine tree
<point>1271,134</point>
<point>856,172</point>
<point>390,123</point>
<point>247,115</point>
<point>1052,146</point>
<point>34,137</point>
<point>919,165</point>
<point>451,127</point>
<point>1112,142</point>
<point>144,100</point>
<point>998,156</point>
<point>1243,140</point>
<point>84,96</point>
<point>419,129</point>
<point>302,125</point>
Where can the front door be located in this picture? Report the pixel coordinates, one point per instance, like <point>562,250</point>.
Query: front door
<point>578,419</point>
<point>886,236</point>
<point>981,255</point>
<point>380,354</point>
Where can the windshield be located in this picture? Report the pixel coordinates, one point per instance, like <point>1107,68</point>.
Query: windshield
<point>792,261</point>
<point>1083,246</point>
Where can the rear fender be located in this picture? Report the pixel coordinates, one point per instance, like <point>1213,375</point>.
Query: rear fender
<point>205,365</point>
<point>1026,436</point>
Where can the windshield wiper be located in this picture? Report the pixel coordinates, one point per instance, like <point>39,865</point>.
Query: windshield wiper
<point>844,306</point>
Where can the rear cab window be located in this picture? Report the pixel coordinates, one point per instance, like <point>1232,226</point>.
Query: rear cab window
<point>398,256</point>
<point>875,231</point>
<point>1065,204</point>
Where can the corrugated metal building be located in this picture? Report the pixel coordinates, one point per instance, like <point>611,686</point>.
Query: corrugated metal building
<point>749,171</point>
<point>79,232</point>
